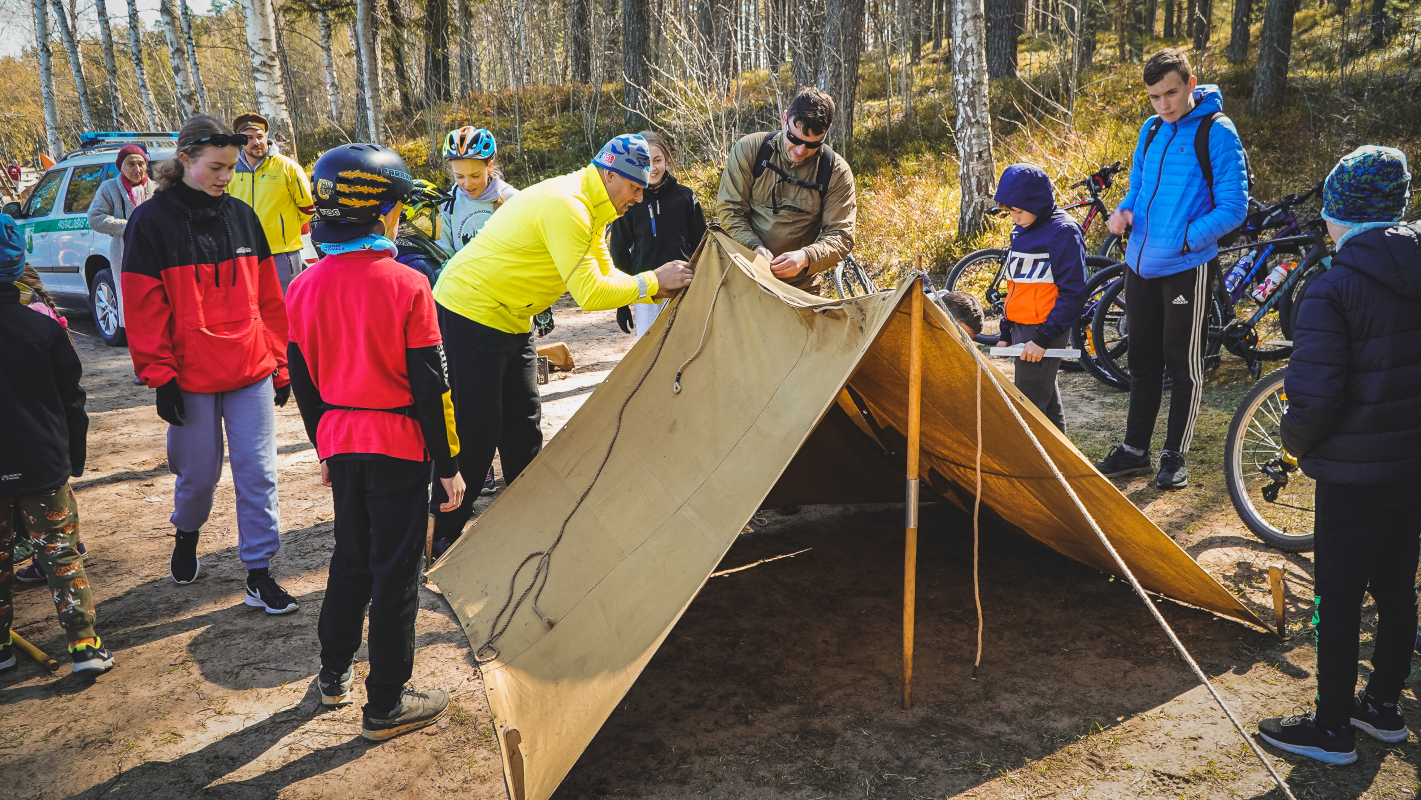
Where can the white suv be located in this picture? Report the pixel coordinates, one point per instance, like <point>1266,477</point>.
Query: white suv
<point>72,258</point>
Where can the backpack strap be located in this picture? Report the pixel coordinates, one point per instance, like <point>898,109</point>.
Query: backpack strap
<point>1150,134</point>
<point>762,157</point>
<point>822,174</point>
<point>1201,151</point>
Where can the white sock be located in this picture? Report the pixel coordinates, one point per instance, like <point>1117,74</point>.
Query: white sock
<point>1131,450</point>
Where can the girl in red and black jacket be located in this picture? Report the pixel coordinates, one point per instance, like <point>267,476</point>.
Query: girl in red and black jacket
<point>207,329</point>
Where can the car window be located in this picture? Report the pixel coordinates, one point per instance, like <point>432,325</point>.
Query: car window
<point>110,172</point>
<point>83,185</point>
<point>41,200</point>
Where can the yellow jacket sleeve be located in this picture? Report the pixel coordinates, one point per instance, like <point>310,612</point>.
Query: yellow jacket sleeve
<point>585,264</point>
<point>300,187</point>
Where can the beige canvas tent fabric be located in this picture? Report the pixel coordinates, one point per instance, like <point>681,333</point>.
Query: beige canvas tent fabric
<point>781,374</point>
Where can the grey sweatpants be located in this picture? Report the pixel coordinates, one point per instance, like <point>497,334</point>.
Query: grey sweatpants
<point>195,455</point>
<point>288,266</point>
<point>1037,379</point>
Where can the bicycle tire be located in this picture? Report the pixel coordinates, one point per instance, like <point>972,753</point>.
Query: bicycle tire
<point>988,286</point>
<point>1290,304</point>
<point>1113,248</point>
<point>1252,436</point>
<point>1081,338</point>
<point>1110,333</point>
<point>1093,267</point>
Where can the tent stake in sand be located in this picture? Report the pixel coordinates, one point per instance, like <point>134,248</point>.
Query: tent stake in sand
<point>915,428</point>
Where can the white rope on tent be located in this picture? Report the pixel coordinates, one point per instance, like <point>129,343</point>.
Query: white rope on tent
<point>1119,562</point>
<point>976,539</point>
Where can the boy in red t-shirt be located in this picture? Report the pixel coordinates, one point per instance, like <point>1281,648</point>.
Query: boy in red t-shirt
<point>367,369</point>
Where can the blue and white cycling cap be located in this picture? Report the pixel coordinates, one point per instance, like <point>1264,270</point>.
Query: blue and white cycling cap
<point>628,156</point>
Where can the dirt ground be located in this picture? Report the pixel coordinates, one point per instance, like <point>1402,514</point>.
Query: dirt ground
<point>780,681</point>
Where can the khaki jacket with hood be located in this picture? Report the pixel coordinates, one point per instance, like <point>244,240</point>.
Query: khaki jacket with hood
<point>746,207</point>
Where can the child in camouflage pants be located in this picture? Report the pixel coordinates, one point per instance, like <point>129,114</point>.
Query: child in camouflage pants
<point>49,524</point>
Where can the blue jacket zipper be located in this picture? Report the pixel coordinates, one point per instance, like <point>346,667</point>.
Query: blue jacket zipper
<point>1174,130</point>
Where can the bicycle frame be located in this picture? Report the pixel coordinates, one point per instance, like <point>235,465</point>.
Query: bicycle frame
<point>1316,251</point>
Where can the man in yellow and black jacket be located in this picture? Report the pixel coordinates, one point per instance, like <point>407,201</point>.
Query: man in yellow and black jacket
<point>545,241</point>
<point>277,189</point>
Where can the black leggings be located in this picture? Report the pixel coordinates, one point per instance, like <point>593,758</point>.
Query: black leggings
<point>1367,543</point>
<point>497,406</point>
<point>1166,318</point>
<point>380,524</point>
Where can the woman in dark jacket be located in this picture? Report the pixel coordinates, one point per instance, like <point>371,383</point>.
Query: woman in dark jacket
<point>667,225</point>
<point>207,330</point>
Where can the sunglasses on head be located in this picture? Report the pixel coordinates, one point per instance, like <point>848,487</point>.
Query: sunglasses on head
<point>224,140</point>
<point>795,140</point>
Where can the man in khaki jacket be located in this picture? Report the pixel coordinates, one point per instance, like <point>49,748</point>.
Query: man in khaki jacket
<point>789,197</point>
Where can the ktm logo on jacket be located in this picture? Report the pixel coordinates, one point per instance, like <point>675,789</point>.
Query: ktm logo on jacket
<point>1031,287</point>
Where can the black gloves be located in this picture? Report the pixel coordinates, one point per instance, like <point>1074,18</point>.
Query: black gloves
<point>624,320</point>
<point>170,403</point>
<point>283,393</point>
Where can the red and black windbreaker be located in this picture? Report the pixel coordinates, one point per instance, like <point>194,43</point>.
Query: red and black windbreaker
<point>201,299</point>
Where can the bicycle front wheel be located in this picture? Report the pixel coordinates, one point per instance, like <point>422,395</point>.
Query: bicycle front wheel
<point>1081,337</point>
<point>1273,500</point>
<point>983,275</point>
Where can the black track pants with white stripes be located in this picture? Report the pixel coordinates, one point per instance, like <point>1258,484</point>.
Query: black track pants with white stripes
<point>1166,318</point>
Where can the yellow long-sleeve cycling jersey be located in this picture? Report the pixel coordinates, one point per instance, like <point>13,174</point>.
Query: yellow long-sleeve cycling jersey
<point>279,191</point>
<point>546,240</point>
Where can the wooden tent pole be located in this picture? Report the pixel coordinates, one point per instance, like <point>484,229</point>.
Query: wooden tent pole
<point>915,413</point>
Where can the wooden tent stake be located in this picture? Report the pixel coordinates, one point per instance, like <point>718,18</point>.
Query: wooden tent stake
<point>915,413</point>
<point>1275,577</point>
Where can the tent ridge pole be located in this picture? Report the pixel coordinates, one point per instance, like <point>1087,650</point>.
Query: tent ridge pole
<point>915,414</point>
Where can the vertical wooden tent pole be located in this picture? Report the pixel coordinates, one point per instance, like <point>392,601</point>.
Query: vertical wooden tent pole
<point>915,413</point>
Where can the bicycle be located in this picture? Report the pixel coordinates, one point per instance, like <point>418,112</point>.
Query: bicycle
<point>983,273</point>
<point>850,279</point>
<point>1273,498</point>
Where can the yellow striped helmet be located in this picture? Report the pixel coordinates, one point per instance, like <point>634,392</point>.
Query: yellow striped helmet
<point>354,186</point>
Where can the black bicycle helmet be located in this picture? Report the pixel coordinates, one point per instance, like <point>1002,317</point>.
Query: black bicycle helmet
<point>354,186</point>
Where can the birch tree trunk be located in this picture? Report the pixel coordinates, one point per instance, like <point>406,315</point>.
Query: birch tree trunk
<point>135,49</point>
<point>1275,48</point>
<point>76,63</point>
<point>191,45</point>
<point>839,68</point>
<point>116,108</point>
<point>328,60</point>
<point>368,33</point>
<point>46,78</point>
<point>177,50</point>
<point>976,171</point>
<point>266,67</point>
<point>436,51</point>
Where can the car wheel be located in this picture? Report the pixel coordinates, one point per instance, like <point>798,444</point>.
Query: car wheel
<point>103,301</point>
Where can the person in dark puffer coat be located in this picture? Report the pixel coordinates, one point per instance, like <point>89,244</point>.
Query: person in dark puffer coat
<point>1354,424</point>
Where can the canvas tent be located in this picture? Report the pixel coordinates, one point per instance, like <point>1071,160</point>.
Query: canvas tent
<point>789,399</point>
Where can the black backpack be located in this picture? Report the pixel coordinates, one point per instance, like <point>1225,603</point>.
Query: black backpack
<point>1201,152</point>
<point>821,178</point>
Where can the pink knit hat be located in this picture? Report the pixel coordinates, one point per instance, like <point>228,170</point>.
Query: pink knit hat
<point>130,150</point>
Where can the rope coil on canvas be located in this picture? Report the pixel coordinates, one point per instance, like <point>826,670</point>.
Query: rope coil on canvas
<point>1100,534</point>
<point>487,652</point>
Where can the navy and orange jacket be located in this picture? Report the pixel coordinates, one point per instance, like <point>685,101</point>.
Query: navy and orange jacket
<point>201,299</point>
<point>1046,263</point>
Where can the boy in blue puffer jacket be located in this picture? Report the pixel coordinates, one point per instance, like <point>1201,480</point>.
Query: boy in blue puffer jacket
<point>1354,423</point>
<point>1178,215</point>
<point>1045,282</point>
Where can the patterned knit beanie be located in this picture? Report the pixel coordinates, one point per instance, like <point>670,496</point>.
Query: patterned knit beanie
<point>12,250</point>
<point>628,156</point>
<point>1370,184</point>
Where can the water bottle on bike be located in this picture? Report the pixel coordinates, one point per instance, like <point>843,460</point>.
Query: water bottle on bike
<point>1241,271</point>
<point>1270,284</point>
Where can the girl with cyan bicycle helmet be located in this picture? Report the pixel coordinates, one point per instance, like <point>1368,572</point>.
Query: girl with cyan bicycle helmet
<point>478,191</point>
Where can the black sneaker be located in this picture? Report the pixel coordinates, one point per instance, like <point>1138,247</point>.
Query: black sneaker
<point>264,592</point>
<point>1120,462</point>
<point>1381,721</point>
<point>440,546</point>
<point>489,487</point>
<point>1300,734</point>
<point>183,564</point>
<point>1172,472</point>
<point>91,657</point>
<point>335,689</point>
<point>7,656</point>
<point>34,573</point>
<point>416,710</point>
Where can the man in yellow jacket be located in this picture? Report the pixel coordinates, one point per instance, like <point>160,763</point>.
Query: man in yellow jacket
<point>278,190</point>
<point>545,241</point>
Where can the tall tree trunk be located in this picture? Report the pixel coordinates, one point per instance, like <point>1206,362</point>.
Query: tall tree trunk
<point>809,32</point>
<point>46,79</point>
<point>1002,38</point>
<point>191,45</point>
<point>1275,47</point>
<point>839,70</point>
<point>396,44</point>
<point>915,23</point>
<point>726,30</point>
<point>367,22</point>
<point>1203,18</point>
<point>636,75</point>
<point>581,36</point>
<point>1135,31</point>
<point>266,67</point>
<point>76,63</point>
<point>436,51</point>
<point>362,109</point>
<point>976,171</point>
<point>135,49</point>
<point>1379,32</point>
<point>1151,17</point>
<point>177,51</point>
<point>1239,31</point>
<point>115,103</point>
<point>328,61</point>
<point>1169,17</point>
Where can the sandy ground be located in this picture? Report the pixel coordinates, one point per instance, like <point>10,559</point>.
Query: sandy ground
<point>780,681</point>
